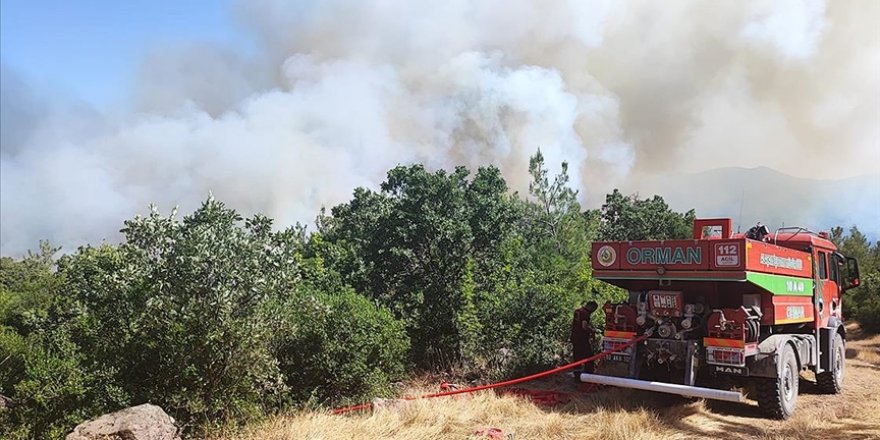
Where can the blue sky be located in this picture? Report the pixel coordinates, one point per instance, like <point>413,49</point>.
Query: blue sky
<point>90,49</point>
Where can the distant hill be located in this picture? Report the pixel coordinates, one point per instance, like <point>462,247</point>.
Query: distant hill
<point>773,198</point>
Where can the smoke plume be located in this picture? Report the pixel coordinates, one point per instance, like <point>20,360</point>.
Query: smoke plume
<point>339,91</point>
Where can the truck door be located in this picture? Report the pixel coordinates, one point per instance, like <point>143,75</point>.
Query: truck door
<point>829,287</point>
<point>836,271</point>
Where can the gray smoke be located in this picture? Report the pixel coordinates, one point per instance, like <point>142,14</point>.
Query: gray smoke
<point>340,91</point>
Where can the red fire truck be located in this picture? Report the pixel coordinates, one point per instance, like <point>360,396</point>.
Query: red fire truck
<point>726,312</point>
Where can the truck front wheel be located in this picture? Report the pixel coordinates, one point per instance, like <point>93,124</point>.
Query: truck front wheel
<point>777,397</point>
<point>831,381</point>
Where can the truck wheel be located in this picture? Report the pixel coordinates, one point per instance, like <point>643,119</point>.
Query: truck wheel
<point>831,381</point>
<point>777,397</point>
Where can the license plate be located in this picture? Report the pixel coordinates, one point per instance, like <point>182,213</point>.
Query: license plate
<point>618,358</point>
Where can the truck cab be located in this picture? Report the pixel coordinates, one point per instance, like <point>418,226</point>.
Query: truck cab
<point>753,309</point>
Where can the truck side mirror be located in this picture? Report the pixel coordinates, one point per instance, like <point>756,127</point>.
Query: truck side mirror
<point>852,274</point>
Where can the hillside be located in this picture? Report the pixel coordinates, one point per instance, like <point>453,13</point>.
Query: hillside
<point>771,197</point>
<point>607,414</point>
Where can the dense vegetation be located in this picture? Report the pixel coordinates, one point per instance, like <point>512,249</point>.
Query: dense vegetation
<point>219,318</point>
<point>863,303</point>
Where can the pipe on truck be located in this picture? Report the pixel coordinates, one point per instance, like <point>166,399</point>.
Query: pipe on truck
<point>662,387</point>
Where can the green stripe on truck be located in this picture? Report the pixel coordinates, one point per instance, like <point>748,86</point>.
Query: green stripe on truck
<point>781,284</point>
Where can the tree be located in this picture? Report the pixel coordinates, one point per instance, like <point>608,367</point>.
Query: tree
<point>556,208</point>
<point>179,309</point>
<point>863,302</point>
<point>408,245</point>
<point>27,287</point>
<point>631,218</point>
<point>855,244</point>
<point>451,255</point>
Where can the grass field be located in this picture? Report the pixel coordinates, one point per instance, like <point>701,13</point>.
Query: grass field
<point>607,414</point>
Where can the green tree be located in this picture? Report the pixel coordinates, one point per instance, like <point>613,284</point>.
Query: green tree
<point>855,244</point>
<point>542,275</point>
<point>556,210</point>
<point>178,310</point>
<point>409,245</point>
<point>863,302</point>
<point>27,287</point>
<point>631,218</point>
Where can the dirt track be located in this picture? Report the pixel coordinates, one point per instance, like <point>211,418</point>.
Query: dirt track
<point>609,414</point>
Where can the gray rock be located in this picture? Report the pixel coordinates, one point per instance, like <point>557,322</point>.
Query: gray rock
<point>5,402</point>
<point>142,422</point>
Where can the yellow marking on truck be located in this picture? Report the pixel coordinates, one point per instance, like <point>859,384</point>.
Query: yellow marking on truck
<point>719,342</point>
<point>793,320</point>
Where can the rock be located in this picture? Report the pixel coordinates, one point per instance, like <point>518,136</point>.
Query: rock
<point>5,402</point>
<point>142,422</point>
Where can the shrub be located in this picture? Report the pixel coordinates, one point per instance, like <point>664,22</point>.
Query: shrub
<point>187,314</point>
<point>178,310</point>
<point>27,288</point>
<point>338,347</point>
<point>525,327</point>
<point>55,388</point>
<point>13,350</point>
<point>863,302</point>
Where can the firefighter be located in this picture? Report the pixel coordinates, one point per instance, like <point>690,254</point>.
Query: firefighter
<point>583,335</point>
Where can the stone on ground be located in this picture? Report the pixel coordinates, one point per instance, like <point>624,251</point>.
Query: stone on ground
<point>142,422</point>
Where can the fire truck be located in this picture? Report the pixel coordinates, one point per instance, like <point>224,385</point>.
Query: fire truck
<point>727,314</point>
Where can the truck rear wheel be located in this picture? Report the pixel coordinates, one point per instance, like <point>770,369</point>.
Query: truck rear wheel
<point>777,397</point>
<point>831,381</point>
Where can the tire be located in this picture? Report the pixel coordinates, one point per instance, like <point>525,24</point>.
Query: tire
<point>777,397</point>
<point>831,381</point>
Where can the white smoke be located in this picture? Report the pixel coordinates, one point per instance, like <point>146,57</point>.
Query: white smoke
<point>340,91</point>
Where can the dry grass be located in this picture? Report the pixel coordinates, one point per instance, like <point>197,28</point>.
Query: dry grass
<point>871,357</point>
<point>608,414</point>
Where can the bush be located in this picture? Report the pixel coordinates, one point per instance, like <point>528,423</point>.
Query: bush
<point>863,303</point>
<point>187,315</point>
<point>339,347</point>
<point>13,351</point>
<point>525,327</point>
<point>27,288</point>
<point>54,387</point>
<point>179,311</point>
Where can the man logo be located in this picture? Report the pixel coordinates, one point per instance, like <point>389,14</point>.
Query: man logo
<point>606,255</point>
<point>731,370</point>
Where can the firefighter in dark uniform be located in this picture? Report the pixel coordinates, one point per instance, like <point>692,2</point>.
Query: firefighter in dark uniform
<point>583,335</point>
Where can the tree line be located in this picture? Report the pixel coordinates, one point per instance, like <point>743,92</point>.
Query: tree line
<point>219,318</point>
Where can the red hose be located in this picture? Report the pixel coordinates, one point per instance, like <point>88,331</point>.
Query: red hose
<point>367,405</point>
